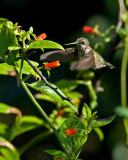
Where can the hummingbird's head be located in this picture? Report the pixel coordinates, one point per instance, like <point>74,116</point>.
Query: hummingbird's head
<point>83,45</point>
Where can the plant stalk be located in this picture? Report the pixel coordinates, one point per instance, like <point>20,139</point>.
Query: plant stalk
<point>44,115</point>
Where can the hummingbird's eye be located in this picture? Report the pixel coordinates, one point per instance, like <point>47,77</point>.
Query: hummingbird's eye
<point>83,42</point>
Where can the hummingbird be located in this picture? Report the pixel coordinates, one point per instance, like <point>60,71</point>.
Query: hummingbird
<point>84,56</point>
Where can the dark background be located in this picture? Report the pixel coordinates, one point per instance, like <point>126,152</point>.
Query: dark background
<point>62,22</point>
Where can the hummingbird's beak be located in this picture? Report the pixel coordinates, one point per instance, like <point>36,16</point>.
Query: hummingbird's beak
<point>70,43</point>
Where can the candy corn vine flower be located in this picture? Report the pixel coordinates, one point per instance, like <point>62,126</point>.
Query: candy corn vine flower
<point>52,65</point>
<point>90,30</point>
<point>42,36</point>
<point>69,132</point>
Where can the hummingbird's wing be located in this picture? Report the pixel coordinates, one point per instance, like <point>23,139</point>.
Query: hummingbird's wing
<point>84,63</point>
<point>65,56</point>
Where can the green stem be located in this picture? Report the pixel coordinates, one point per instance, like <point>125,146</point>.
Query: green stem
<point>123,75</point>
<point>22,63</point>
<point>44,115</point>
<point>124,69</point>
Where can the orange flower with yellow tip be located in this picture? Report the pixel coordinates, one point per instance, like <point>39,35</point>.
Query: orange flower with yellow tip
<point>42,36</point>
<point>52,64</point>
<point>90,30</point>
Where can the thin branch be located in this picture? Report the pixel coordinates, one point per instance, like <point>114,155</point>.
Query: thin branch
<point>46,82</point>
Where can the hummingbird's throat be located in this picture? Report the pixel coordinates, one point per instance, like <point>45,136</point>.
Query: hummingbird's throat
<point>82,51</point>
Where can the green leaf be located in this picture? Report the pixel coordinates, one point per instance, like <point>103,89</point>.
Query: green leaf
<point>44,97</point>
<point>6,109</point>
<point>31,30</point>
<point>6,69</point>
<point>14,47</point>
<point>72,122</point>
<point>100,133</point>
<point>121,111</point>
<point>101,122</point>
<point>44,44</point>
<point>2,21</point>
<point>8,150</point>
<point>86,111</point>
<point>7,38</point>
<point>26,124</point>
<point>40,86</point>
<point>27,69</point>
<point>57,154</point>
<point>4,128</point>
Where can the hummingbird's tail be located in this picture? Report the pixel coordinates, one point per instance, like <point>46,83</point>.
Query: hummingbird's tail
<point>109,65</point>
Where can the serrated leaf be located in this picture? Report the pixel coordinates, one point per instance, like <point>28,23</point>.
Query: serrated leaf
<point>7,38</point>
<point>40,86</point>
<point>121,111</point>
<point>26,124</point>
<point>101,122</point>
<point>72,122</point>
<point>8,150</point>
<point>44,44</point>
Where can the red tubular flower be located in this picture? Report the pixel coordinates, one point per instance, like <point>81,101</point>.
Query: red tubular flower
<point>59,159</point>
<point>42,36</point>
<point>60,113</point>
<point>52,64</point>
<point>69,132</point>
<point>90,30</point>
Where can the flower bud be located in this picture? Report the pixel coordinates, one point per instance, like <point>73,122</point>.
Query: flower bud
<point>60,113</point>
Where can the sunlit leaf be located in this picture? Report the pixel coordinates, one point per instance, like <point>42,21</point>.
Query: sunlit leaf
<point>27,69</point>
<point>7,38</point>
<point>6,69</point>
<point>14,47</point>
<point>44,44</point>
<point>40,86</point>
